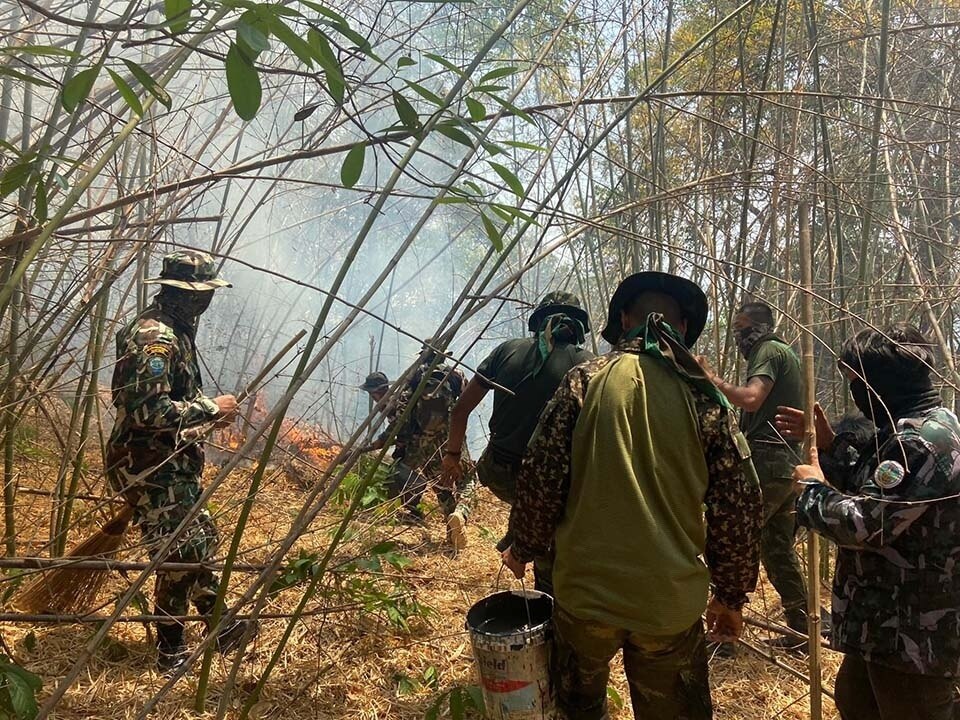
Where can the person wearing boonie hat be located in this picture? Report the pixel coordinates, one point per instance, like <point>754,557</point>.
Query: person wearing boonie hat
<point>626,455</point>
<point>531,368</point>
<point>158,394</point>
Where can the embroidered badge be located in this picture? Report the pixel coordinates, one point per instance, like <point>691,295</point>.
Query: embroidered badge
<point>889,474</point>
<point>157,350</point>
<point>156,365</point>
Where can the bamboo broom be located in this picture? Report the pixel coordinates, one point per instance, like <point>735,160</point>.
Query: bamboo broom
<point>71,591</point>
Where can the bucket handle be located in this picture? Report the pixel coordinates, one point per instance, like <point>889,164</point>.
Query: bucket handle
<point>523,588</point>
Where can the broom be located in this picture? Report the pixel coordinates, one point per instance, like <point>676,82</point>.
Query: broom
<point>70,591</point>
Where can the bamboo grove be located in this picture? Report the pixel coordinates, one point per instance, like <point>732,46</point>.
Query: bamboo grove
<point>383,175</point>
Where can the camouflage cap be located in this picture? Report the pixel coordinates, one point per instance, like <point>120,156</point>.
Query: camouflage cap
<point>555,302</point>
<point>375,381</point>
<point>189,270</point>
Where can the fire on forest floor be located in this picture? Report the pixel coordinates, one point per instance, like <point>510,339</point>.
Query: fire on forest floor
<point>354,662</point>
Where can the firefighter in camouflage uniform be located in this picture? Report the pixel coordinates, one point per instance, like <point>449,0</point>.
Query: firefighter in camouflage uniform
<point>892,506</point>
<point>420,444</point>
<point>154,455</point>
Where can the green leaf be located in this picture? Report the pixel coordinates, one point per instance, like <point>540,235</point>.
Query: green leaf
<point>149,84</point>
<point>405,61</point>
<point>444,62</point>
<point>524,146</point>
<point>433,712</point>
<point>30,641</point>
<point>243,81</point>
<point>15,176</point>
<point>406,112</point>
<point>329,62</point>
<point>430,677</point>
<point>177,13</point>
<point>305,112</point>
<point>300,47</point>
<point>477,111</point>
<point>614,697</point>
<point>496,239</point>
<point>424,93</point>
<point>507,175</point>
<point>510,107</point>
<point>41,212</point>
<point>353,165</point>
<point>498,73</point>
<point>75,91</point>
<point>38,50</point>
<point>455,134</point>
<point>251,37</point>
<point>16,74</point>
<point>323,10</point>
<point>456,705</point>
<point>476,698</point>
<point>22,687</point>
<point>127,93</point>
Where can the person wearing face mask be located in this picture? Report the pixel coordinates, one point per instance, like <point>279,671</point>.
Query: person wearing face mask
<point>154,457</point>
<point>773,379</point>
<point>891,505</point>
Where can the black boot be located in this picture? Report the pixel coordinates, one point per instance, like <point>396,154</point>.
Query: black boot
<point>231,634</point>
<point>172,652</point>
<point>796,619</point>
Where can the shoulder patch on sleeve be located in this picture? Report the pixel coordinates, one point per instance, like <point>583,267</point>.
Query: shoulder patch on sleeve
<point>157,365</point>
<point>889,474</point>
<point>157,350</point>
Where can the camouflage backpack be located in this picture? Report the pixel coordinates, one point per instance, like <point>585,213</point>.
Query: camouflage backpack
<point>444,386</point>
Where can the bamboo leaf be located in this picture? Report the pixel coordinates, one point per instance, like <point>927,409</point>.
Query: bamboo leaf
<point>496,239</point>
<point>243,81</point>
<point>405,111</point>
<point>38,50</point>
<point>330,63</point>
<point>405,61</point>
<point>510,107</point>
<point>75,91</point>
<point>444,62</point>
<point>127,93</point>
<point>177,13</point>
<point>300,47</point>
<point>498,73</point>
<point>507,175</point>
<point>477,111</point>
<point>524,146</point>
<point>455,134</point>
<point>353,165</point>
<point>16,74</point>
<point>149,84</point>
<point>250,36</point>
<point>305,112</point>
<point>424,93</point>
<point>456,705</point>
<point>323,10</point>
<point>41,210</point>
<point>476,698</point>
<point>16,176</point>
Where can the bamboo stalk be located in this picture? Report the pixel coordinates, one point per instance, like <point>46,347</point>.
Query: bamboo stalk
<point>809,443</point>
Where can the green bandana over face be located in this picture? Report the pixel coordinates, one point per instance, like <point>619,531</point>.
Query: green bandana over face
<point>663,342</point>
<point>553,328</point>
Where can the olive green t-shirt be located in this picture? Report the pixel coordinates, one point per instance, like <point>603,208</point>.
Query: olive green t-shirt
<point>775,360</point>
<point>515,416</point>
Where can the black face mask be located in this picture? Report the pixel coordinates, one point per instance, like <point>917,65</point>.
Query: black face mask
<point>185,305</point>
<point>865,399</point>
<point>891,398</point>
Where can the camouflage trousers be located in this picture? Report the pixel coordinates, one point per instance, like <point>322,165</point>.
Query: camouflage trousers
<point>777,552</point>
<point>667,675</point>
<point>868,691</point>
<point>501,479</point>
<point>411,485</point>
<point>160,503</point>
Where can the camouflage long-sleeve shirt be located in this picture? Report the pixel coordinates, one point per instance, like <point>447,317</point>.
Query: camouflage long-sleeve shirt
<point>896,518</point>
<point>157,390</point>
<point>731,496</point>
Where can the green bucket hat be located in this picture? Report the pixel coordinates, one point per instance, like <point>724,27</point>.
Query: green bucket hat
<point>375,381</point>
<point>689,296</point>
<point>189,270</point>
<point>559,302</point>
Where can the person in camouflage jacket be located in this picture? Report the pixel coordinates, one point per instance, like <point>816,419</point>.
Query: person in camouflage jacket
<point>419,443</point>
<point>892,506</point>
<point>632,447</point>
<point>154,456</point>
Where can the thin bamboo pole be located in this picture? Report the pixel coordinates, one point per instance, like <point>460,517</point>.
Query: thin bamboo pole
<point>809,443</point>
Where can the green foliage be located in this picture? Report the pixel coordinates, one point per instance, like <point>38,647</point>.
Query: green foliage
<point>303,568</point>
<point>353,165</point>
<point>76,89</point>
<point>148,83</point>
<point>18,691</point>
<point>16,176</point>
<point>614,697</point>
<point>462,702</point>
<point>127,93</point>
<point>243,81</point>
<point>177,13</point>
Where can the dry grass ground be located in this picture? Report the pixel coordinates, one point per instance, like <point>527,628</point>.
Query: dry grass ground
<point>350,663</point>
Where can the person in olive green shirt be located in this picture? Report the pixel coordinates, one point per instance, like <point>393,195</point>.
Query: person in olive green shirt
<point>628,453</point>
<point>773,379</point>
<point>530,369</point>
